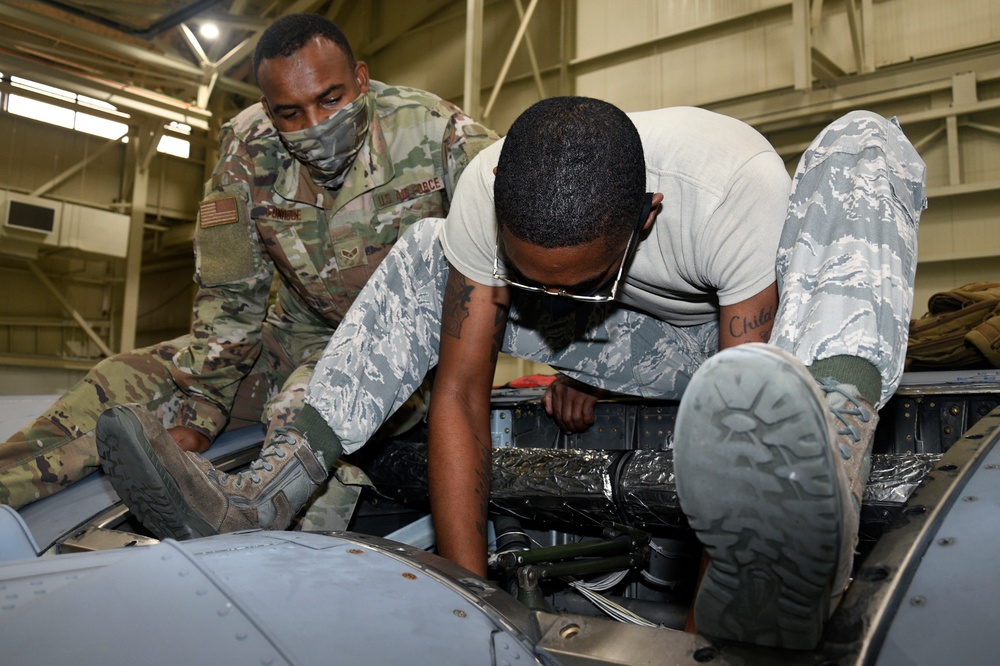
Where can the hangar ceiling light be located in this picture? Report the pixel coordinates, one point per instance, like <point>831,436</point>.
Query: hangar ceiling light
<point>209,30</point>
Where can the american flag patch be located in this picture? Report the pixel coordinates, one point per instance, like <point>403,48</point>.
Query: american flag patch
<point>217,211</point>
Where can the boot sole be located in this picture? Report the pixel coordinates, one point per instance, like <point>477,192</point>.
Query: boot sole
<point>756,477</point>
<point>135,472</point>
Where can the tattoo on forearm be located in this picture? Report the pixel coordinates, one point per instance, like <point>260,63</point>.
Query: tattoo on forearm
<point>484,470</point>
<point>455,309</point>
<point>758,326</point>
<point>499,328</point>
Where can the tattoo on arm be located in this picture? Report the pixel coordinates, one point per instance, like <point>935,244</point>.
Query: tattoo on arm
<point>757,326</point>
<point>455,308</point>
<point>499,327</point>
<point>484,470</point>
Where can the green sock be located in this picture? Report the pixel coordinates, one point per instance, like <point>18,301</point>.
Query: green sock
<point>851,370</point>
<point>318,434</point>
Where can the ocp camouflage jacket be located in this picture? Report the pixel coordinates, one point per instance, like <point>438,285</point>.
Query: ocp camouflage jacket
<point>263,216</point>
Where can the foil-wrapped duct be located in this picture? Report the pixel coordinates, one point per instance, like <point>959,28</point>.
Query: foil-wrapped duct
<point>586,487</point>
<point>894,477</point>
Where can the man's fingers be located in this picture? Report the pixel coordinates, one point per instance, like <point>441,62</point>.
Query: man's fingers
<point>570,408</point>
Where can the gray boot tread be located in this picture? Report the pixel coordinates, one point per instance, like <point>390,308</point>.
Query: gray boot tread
<point>135,472</point>
<point>757,479</point>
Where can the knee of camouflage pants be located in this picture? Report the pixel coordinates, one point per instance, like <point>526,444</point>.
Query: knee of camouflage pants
<point>847,256</point>
<point>58,448</point>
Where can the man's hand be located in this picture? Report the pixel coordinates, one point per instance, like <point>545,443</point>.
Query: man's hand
<point>571,403</point>
<point>190,439</point>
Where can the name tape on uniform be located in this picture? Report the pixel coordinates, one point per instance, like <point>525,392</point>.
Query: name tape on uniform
<point>383,199</point>
<point>275,213</point>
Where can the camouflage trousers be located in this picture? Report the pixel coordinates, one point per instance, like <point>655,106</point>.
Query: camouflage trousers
<point>845,269</point>
<point>58,447</point>
<point>848,251</point>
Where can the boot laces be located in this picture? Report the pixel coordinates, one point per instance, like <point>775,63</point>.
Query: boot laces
<point>850,408</point>
<point>262,463</point>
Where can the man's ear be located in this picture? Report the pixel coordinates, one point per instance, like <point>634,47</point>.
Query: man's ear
<point>654,210</point>
<point>361,76</point>
<point>267,108</point>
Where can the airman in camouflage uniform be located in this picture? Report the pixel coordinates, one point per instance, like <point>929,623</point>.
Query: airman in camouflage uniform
<point>263,217</point>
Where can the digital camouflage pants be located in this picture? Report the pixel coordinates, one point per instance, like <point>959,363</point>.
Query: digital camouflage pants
<point>845,270</point>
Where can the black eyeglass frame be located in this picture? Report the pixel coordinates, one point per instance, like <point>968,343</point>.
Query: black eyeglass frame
<point>586,298</point>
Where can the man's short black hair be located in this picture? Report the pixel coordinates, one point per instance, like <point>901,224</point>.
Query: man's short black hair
<point>290,33</point>
<point>571,170</point>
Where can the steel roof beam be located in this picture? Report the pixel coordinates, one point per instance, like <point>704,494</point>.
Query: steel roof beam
<point>72,35</point>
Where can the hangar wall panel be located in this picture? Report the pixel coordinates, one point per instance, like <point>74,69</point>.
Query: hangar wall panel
<point>737,56</point>
<point>35,152</point>
<point>920,28</point>
<point>431,56</point>
<point>36,333</point>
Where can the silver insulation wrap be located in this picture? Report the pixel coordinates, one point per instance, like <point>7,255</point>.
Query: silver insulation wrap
<point>588,487</point>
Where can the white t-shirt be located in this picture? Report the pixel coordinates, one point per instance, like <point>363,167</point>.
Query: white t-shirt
<point>725,193</point>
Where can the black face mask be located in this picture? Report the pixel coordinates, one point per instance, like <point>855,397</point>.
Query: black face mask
<point>559,321</point>
<point>545,309</point>
<point>560,308</point>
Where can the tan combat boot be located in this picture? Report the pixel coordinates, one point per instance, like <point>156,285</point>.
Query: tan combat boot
<point>854,419</point>
<point>759,457</point>
<point>180,495</point>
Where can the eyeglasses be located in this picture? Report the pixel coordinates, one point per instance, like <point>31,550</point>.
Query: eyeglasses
<point>600,294</point>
